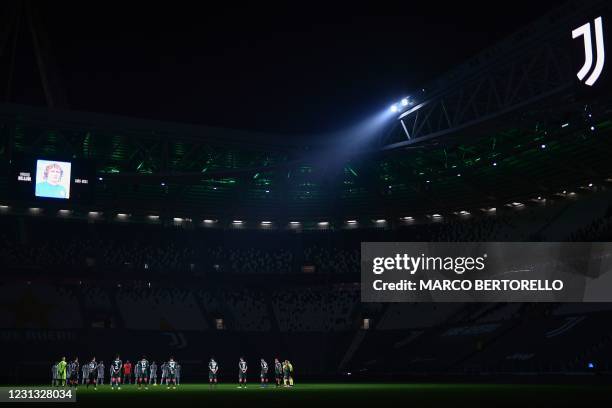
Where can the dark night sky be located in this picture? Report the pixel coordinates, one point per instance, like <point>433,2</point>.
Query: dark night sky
<point>297,68</point>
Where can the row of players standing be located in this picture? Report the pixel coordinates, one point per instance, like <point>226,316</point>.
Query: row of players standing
<point>283,373</point>
<point>92,373</point>
<point>64,373</point>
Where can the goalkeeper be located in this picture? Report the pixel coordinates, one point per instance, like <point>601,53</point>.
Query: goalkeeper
<point>61,372</point>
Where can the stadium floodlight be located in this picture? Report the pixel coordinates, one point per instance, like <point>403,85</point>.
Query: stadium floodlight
<point>153,217</point>
<point>592,128</point>
<point>590,184</point>
<point>405,102</point>
<point>94,213</point>
<point>436,216</point>
<point>266,223</point>
<point>267,191</point>
<point>64,212</point>
<point>100,178</point>
<point>351,222</point>
<point>381,221</point>
<point>4,207</point>
<point>464,212</point>
<point>177,219</point>
<point>209,221</point>
<point>407,218</point>
<point>34,210</point>
<point>458,174</point>
<point>494,164</point>
<point>163,184</point>
<point>543,146</point>
<point>323,224</point>
<point>294,223</point>
<point>565,125</point>
<point>394,108</point>
<point>122,215</point>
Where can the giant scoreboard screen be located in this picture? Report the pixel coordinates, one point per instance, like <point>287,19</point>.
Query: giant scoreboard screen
<point>52,179</point>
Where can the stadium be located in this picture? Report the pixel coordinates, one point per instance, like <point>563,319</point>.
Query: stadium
<point>130,235</point>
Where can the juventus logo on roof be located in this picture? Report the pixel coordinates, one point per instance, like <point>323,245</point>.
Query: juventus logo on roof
<point>585,31</point>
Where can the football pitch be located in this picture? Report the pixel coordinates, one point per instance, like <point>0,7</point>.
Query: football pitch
<point>350,395</point>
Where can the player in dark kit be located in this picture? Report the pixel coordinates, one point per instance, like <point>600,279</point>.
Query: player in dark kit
<point>153,373</point>
<point>101,372</point>
<point>264,373</point>
<point>171,379</point>
<point>278,372</point>
<point>242,373</point>
<point>73,373</point>
<point>213,369</point>
<point>115,372</point>
<point>142,370</point>
<point>54,375</point>
<point>93,373</point>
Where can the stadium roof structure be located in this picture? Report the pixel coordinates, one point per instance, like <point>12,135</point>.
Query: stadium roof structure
<point>215,179</point>
<point>525,127</point>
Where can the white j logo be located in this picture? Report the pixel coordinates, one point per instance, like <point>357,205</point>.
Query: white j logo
<point>585,31</point>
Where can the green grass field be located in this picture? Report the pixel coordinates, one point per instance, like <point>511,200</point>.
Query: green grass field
<point>351,395</point>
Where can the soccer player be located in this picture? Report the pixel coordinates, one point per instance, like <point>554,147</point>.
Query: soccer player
<point>164,373</point>
<point>73,373</point>
<point>142,369</point>
<point>286,373</point>
<point>290,367</point>
<point>278,372</point>
<point>213,369</point>
<point>127,372</point>
<point>54,381</point>
<point>84,373</point>
<point>92,370</point>
<point>264,373</point>
<point>61,371</point>
<point>115,373</point>
<point>242,373</point>
<point>171,376</point>
<point>153,375</point>
<point>101,373</point>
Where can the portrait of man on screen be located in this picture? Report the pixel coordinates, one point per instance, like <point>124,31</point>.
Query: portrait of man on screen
<point>52,179</point>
